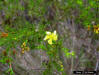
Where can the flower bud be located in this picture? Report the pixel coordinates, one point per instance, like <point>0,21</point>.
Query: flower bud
<point>14,52</point>
<point>4,53</point>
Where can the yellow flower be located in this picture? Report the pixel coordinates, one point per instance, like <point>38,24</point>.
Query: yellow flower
<point>27,49</point>
<point>54,36</point>
<point>96,29</point>
<point>50,41</point>
<point>61,66</point>
<point>88,27</point>
<point>24,44</point>
<point>48,34</point>
<point>22,51</point>
<point>50,37</point>
<point>24,48</point>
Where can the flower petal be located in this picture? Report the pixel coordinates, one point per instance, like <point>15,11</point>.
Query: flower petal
<point>46,37</point>
<point>48,33</point>
<point>54,36</point>
<point>50,41</point>
<point>96,31</point>
<point>55,32</point>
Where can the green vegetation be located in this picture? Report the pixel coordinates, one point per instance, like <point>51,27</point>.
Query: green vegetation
<point>26,21</point>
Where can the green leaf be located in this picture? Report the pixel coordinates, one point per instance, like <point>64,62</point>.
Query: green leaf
<point>2,61</point>
<point>79,2</point>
